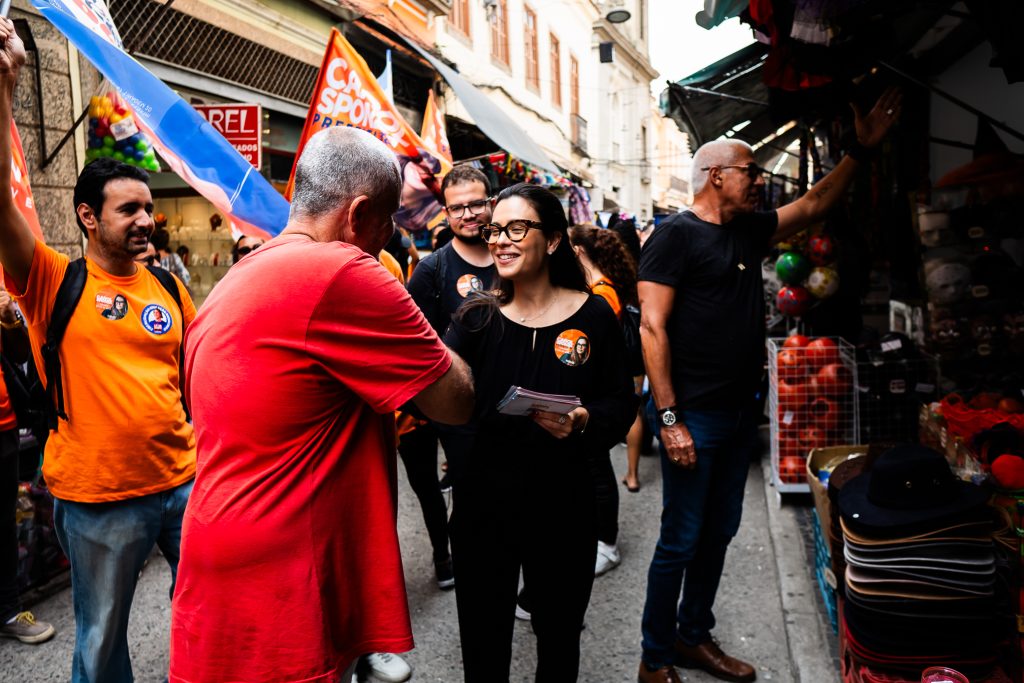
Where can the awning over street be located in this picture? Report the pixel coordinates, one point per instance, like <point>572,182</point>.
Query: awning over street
<point>489,118</point>
<point>714,100</point>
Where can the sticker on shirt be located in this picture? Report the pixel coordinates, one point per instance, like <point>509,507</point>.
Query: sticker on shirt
<point>156,319</point>
<point>468,283</point>
<point>110,304</point>
<point>572,347</point>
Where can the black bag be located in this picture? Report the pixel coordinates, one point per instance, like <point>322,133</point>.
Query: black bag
<point>28,398</point>
<point>631,335</point>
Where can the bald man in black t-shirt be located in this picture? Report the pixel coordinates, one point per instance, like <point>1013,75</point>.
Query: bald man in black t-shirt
<point>703,327</point>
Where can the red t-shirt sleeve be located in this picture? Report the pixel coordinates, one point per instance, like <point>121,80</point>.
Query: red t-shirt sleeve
<point>367,332</point>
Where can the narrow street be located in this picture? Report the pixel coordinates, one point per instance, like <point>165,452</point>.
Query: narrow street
<point>768,609</point>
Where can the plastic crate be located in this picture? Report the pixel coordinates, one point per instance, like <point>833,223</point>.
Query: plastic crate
<point>810,405</point>
<point>824,574</point>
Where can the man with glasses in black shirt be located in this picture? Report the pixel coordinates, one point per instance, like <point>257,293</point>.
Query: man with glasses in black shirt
<point>703,328</point>
<point>439,285</point>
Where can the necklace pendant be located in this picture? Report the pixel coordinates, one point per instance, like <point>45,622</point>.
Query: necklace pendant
<point>522,320</point>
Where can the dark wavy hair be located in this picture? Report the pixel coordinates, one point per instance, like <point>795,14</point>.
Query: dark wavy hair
<point>606,250</point>
<point>563,268</point>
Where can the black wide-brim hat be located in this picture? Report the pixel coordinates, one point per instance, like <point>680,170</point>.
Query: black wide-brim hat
<point>909,488</point>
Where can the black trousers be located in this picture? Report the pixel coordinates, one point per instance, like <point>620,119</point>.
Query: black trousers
<point>418,450</point>
<point>606,492</point>
<point>548,530</point>
<point>9,601</point>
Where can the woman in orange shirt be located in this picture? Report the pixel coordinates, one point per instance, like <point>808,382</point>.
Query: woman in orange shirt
<point>611,274</point>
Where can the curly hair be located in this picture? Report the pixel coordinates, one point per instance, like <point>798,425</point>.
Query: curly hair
<point>606,250</point>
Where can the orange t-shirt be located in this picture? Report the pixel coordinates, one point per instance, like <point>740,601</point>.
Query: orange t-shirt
<point>391,265</point>
<point>126,435</point>
<point>604,289</point>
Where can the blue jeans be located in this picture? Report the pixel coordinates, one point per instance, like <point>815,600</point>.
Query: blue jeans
<point>701,511</point>
<point>107,544</point>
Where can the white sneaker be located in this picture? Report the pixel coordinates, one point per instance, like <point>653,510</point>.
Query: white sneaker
<point>608,558</point>
<point>388,667</point>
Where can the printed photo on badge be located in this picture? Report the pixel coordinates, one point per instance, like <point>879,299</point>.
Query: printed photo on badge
<point>572,347</point>
<point>111,305</point>
<point>156,319</point>
<point>468,283</point>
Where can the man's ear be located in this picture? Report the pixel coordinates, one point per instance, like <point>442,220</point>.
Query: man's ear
<point>359,214</point>
<point>87,216</point>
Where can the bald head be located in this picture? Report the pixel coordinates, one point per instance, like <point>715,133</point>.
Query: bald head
<point>715,153</point>
<point>339,164</point>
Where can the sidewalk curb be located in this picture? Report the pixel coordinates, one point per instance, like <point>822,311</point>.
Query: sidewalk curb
<point>805,636</point>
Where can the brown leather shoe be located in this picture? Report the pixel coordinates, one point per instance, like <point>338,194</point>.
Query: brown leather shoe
<point>665,674</point>
<point>709,657</point>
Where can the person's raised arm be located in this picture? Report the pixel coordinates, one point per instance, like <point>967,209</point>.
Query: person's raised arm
<point>819,200</point>
<point>17,243</point>
<point>450,399</point>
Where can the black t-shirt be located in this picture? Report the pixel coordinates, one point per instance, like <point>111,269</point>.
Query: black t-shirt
<point>717,326</point>
<point>456,279</point>
<point>553,360</point>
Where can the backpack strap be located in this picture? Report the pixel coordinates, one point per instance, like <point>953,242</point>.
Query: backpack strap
<point>68,294</point>
<point>170,283</point>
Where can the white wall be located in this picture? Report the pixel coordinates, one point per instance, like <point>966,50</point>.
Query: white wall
<point>983,87</point>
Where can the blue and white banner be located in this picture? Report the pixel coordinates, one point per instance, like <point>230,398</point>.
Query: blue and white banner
<point>189,145</point>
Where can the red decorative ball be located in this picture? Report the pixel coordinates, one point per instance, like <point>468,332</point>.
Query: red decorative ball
<point>1008,471</point>
<point>793,301</point>
<point>821,250</point>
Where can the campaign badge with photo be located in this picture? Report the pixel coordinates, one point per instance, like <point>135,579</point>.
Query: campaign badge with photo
<point>111,304</point>
<point>572,347</point>
<point>156,319</point>
<point>468,283</point>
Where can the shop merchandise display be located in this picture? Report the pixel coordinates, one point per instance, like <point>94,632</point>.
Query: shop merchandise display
<point>113,132</point>
<point>894,379</point>
<point>919,570</point>
<point>812,403</point>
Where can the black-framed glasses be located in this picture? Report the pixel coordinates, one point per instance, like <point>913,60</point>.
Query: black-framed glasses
<point>476,208</point>
<point>753,170</point>
<point>242,251</point>
<point>515,230</point>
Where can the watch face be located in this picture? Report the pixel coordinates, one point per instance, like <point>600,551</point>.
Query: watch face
<point>668,418</point>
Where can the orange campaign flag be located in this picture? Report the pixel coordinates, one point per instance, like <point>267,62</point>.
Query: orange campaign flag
<point>347,94</point>
<point>20,188</point>
<point>434,135</point>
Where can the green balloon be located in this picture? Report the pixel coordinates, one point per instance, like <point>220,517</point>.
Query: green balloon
<point>106,151</point>
<point>131,161</point>
<point>150,154</point>
<point>108,140</point>
<point>119,156</point>
<point>792,268</point>
<point>142,145</point>
<point>154,166</point>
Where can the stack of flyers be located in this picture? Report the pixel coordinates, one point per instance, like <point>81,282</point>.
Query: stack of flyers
<point>520,401</point>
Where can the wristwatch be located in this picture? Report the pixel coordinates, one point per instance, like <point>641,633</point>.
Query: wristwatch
<point>668,416</point>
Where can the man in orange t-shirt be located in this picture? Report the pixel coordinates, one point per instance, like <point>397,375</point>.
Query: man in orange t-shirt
<point>121,465</point>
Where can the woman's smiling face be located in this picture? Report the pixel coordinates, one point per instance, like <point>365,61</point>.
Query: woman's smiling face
<point>525,259</point>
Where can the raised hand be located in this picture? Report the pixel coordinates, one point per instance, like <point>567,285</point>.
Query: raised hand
<point>12,54</point>
<point>873,127</point>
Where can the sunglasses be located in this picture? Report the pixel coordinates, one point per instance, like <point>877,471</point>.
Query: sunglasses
<point>148,260</point>
<point>476,208</point>
<point>515,230</point>
<point>242,251</point>
<point>753,170</point>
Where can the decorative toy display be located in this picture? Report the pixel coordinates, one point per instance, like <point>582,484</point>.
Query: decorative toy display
<point>792,267</point>
<point>821,250</point>
<point>793,301</point>
<point>113,133</point>
<point>822,282</point>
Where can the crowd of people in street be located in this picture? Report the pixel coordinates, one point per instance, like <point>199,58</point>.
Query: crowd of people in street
<point>254,441</point>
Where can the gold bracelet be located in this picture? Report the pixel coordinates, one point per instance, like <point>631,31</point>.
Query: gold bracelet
<point>12,326</point>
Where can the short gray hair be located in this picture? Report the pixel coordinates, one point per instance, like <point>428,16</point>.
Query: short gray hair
<point>340,163</point>
<point>714,153</point>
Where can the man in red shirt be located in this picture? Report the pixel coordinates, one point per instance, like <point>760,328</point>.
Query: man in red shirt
<point>290,563</point>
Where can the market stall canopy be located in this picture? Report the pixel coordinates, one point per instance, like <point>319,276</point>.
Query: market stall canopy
<point>712,101</point>
<point>489,118</point>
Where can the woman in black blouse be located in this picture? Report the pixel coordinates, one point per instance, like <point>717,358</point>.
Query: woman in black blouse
<point>528,497</point>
